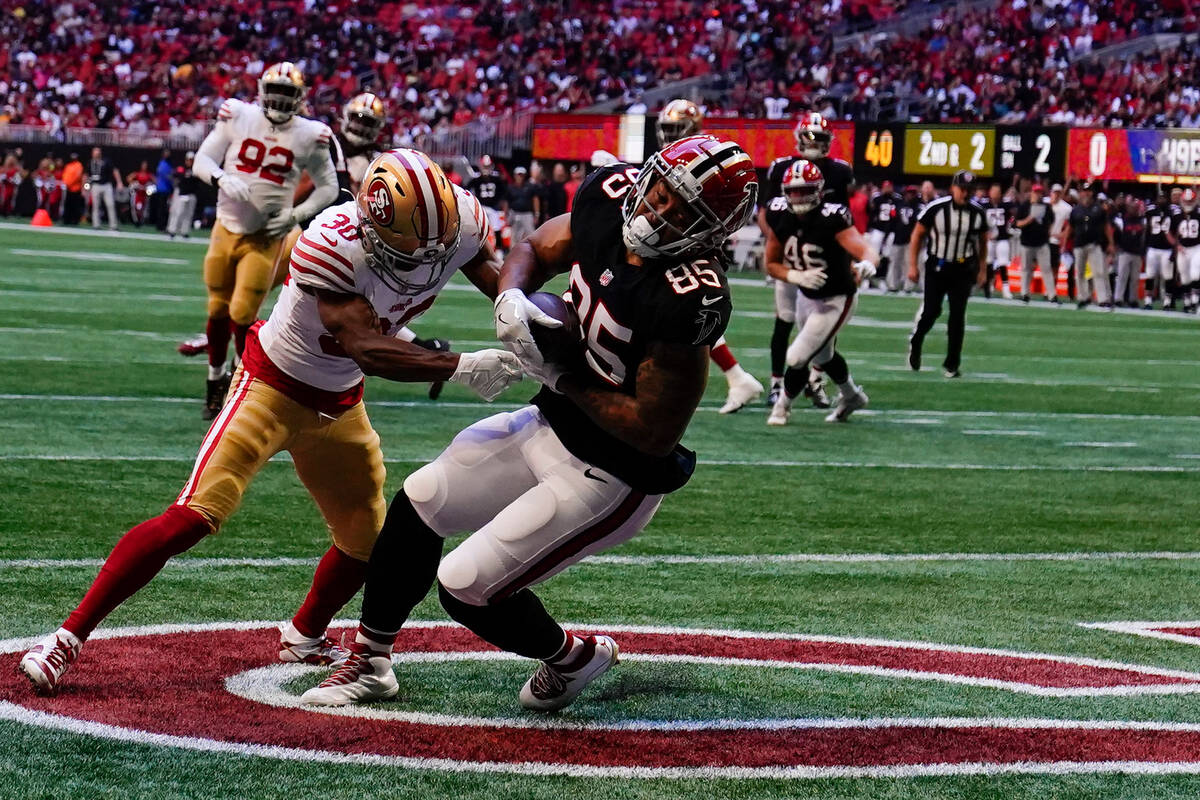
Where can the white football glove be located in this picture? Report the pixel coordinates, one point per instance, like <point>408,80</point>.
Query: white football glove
<point>807,278</point>
<point>863,270</point>
<point>279,223</point>
<point>514,314</point>
<point>487,372</point>
<point>234,187</point>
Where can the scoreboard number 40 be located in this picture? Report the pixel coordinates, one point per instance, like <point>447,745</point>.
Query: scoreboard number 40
<point>879,149</point>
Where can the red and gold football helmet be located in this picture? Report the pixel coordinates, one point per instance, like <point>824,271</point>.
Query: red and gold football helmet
<point>814,137</point>
<point>408,218</point>
<point>802,186</point>
<point>716,185</point>
<point>678,119</point>
<point>363,119</point>
<point>281,91</point>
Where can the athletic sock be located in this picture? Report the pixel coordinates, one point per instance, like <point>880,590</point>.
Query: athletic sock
<point>137,557</point>
<point>402,568</point>
<point>779,346</point>
<point>218,372</point>
<point>377,641</point>
<point>519,624</point>
<point>239,337</point>
<point>218,341</point>
<point>794,381</point>
<point>837,369</point>
<point>724,358</point>
<point>337,579</point>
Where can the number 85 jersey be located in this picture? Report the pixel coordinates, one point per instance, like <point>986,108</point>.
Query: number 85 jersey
<point>623,308</point>
<point>268,157</point>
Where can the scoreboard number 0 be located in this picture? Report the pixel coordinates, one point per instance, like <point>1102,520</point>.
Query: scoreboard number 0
<point>879,149</point>
<point>1098,154</point>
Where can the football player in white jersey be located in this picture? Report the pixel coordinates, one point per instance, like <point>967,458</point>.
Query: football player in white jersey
<point>360,272</point>
<point>255,156</point>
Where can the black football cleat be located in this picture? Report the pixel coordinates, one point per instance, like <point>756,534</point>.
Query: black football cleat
<point>214,396</point>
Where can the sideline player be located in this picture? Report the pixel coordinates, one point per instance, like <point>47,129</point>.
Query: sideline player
<point>1185,226</point>
<point>814,140</point>
<point>882,221</point>
<point>586,466</point>
<point>1160,268</point>
<point>1000,212</point>
<point>254,156</point>
<point>299,388</point>
<point>810,244</point>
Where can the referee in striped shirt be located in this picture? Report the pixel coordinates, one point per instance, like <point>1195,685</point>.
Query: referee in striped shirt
<point>953,231</point>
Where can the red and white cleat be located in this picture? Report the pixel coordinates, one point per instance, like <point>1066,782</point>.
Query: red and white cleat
<point>365,675</point>
<point>48,660</point>
<point>555,686</point>
<point>296,648</point>
<point>195,346</point>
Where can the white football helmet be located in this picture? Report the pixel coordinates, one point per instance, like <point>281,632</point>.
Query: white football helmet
<point>281,91</point>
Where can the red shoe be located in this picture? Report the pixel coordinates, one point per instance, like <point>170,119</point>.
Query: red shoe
<point>48,660</point>
<point>195,346</point>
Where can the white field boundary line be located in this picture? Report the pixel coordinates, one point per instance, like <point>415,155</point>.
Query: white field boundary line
<point>749,559</point>
<point>434,405</point>
<point>284,458</point>
<point>115,235</point>
<point>1150,630</point>
<point>97,257</point>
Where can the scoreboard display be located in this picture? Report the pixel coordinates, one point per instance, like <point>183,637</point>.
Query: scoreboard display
<point>1170,155</point>
<point>945,149</point>
<point>878,152</point>
<point>1031,152</point>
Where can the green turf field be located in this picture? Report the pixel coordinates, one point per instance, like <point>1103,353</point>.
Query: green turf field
<point>1071,433</point>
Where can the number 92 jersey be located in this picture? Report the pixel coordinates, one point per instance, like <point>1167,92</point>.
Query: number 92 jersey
<point>810,242</point>
<point>268,157</point>
<point>623,308</point>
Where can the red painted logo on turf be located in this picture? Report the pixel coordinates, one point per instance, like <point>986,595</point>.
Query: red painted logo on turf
<point>130,686</point>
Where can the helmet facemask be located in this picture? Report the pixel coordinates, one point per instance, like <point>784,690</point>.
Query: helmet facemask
<point>803,198</point>
<point>672,130</point>
<point>280,99</point>
<point>654,236</point>
<point>813,143</point>
<point>361,128</point>
<point>405,273</point>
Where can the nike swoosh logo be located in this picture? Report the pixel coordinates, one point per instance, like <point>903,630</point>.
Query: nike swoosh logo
<point>500,318</point>
<point>587,473</point>
<point>329,239</point>
<point>708,301</point>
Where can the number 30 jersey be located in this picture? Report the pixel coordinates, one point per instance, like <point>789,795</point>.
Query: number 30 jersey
<point>810,242</point>
<point>329,257</point>
<point>269,158</point>
<point>624,308</point>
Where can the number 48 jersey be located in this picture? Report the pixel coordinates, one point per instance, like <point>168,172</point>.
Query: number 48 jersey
<point>268,157</point>
<point>623,309</point>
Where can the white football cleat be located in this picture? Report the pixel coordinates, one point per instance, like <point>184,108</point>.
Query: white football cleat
<point>780,411</point>
<point>296,648</point>
<point>847,405</point>
<point>48,660</point>
<point>742,390</point>
<point>365,675</point>
<point>551,688</point>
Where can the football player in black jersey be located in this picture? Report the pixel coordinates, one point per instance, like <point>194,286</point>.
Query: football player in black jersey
<point>814,140</point>
<point>1185,226</point>
<point>882,212</point>
<point>999,211</point>
<point>492,191</point>
<point>586,465</point>
<point>1160,264</point>
<point>810,244</point>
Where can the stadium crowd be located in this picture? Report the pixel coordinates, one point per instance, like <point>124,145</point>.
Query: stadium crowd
<point>162,67</point>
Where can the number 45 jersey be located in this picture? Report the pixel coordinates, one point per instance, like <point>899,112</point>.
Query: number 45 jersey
<point>268,157</point>
<point>810,242</point>
<point>623,309</point>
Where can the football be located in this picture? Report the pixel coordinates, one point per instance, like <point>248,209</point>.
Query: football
<point>562,346</point>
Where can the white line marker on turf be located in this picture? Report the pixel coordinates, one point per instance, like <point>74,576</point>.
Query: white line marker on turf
<point>664,559</point>
<point>1151,630</point>
<point>985,432</point>
<point>77,256</point>
<point>1100,444</point>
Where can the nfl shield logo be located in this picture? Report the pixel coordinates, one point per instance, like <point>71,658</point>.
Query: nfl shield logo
<point>606,277</point>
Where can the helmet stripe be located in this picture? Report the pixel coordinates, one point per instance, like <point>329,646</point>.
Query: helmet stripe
<point>421,181</point>
<point>725,155</point>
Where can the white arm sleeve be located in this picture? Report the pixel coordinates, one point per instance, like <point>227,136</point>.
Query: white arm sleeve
<point>325,186</point>
<point>207,165</point>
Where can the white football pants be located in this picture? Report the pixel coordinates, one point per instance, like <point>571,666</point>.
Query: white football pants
<point>820,321</point>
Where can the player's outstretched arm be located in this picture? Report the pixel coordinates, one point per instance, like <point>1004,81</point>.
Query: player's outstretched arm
<point>542,255</point>
<point>857,246</point>
<point>483,270</point>
<point>670,384</point>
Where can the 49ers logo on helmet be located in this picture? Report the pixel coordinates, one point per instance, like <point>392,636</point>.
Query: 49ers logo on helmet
<point>379,203</point>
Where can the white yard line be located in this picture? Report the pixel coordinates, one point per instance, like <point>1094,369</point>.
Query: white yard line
<point>114,235</point>
<point>92,256</point>
<point>1100,444</point>
<point>663,559</point>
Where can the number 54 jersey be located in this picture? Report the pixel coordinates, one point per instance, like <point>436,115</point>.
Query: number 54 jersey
<point>624,308</point>
<point>268,157</point>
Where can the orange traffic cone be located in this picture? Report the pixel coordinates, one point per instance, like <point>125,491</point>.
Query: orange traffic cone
<point>41,219</point>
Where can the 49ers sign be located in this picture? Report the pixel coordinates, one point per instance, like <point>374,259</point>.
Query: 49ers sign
<point>128,686</point>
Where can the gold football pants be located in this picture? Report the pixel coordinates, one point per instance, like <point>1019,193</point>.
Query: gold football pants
<point>238,271</point>
<point>337,459</point>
